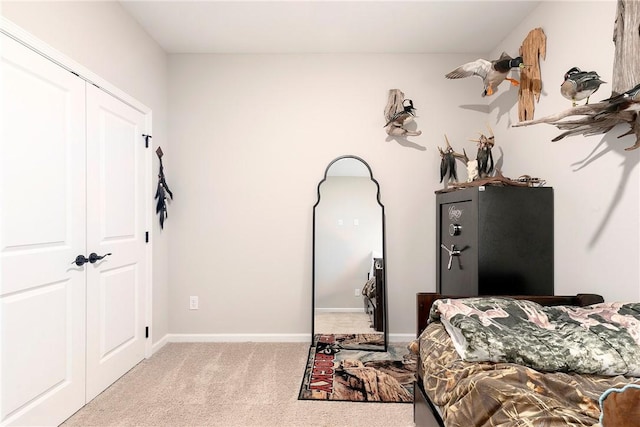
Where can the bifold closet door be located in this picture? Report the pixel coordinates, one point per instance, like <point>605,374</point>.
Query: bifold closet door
<point>42,215</point>
<point>115,225</point>
<point>73,164</point>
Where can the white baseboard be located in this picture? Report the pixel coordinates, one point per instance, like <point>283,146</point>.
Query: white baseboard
<point>340,310</point>
<point>239,337</point>
<point>254,338</point>
<point>159,344</point>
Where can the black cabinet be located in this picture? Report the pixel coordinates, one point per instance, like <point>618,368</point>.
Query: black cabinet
<point>495,241</point>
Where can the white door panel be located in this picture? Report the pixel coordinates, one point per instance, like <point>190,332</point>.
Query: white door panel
<point>116,225</point>
<point>32,378</point>
<point>72,182</point>
<point>119,139</point>
<point>118,298</point>
<point>42,230</point>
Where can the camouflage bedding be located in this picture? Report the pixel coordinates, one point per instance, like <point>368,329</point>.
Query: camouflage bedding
<point>599,339</point>
<point>505,394</point>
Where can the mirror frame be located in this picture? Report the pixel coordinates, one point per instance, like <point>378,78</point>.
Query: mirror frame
<point>385,323</point>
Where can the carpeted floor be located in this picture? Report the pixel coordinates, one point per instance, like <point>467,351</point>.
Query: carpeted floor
<point>342,323</point>
<point>227,384</point>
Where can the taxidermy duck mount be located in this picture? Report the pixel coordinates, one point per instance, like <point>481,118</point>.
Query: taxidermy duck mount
<point>624,104</point>
<point>579,85</point>
<point>492,73</point>
<point>398,113</point>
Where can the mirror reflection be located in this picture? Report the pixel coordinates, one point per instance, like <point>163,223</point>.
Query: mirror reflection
<point>349,277</point>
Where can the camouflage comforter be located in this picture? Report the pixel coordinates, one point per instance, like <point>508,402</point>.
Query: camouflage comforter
<point>599,339</point>
<point>505,394</point>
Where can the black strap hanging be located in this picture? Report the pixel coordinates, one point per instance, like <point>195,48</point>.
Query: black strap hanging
<point>162,191</point>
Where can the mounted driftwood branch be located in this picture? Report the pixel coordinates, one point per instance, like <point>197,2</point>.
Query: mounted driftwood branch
<point>626,37</point>
<point>623,106</point>
<point>595,120</point>
<point>498,179</point>
<point>533,48</point>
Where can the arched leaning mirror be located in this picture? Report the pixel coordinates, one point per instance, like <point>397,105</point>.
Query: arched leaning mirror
<point>349,277</point>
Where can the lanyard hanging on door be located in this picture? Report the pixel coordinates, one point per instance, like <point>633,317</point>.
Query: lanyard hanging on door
<point>162,190</point>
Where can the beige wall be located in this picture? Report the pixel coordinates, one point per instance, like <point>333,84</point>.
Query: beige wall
<point>256,133</point>
<point>595,181</point>
<point>251,136</point>
<point>106,40</point>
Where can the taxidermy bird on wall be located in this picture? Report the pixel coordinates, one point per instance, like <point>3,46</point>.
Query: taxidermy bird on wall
<point>492,73</point>
<point>403,116</point>
<point>626,101</point>
<point>579,85</point>
<point>398,113</point>
<point>629,100</point>
<point>448,162</point>
<point>484,156</point>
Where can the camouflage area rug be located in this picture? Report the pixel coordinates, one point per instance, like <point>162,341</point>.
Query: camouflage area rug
<point>360,342</point>
<point>334,372</point>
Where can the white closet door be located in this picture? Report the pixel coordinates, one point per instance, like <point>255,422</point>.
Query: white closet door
<point>42,216</point>
<point>116,225</point>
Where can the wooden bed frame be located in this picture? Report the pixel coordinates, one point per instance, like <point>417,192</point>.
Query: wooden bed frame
<point>425,413</point>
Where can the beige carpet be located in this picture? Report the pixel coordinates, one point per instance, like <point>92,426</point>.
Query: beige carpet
<point>227,384</point>
<point>342,323</point>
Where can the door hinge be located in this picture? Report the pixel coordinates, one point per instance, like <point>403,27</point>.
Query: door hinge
<point>146,332</point>
<point>146,237</point>
<point>146,140</point>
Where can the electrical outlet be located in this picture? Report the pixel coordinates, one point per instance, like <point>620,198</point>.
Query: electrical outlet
<point>193,303</point>
<point>356,292</point>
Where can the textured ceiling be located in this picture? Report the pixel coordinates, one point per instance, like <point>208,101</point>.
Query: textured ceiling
<point>327,26</point>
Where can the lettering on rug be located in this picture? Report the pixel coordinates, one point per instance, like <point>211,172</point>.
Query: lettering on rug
<point>322,372</point>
